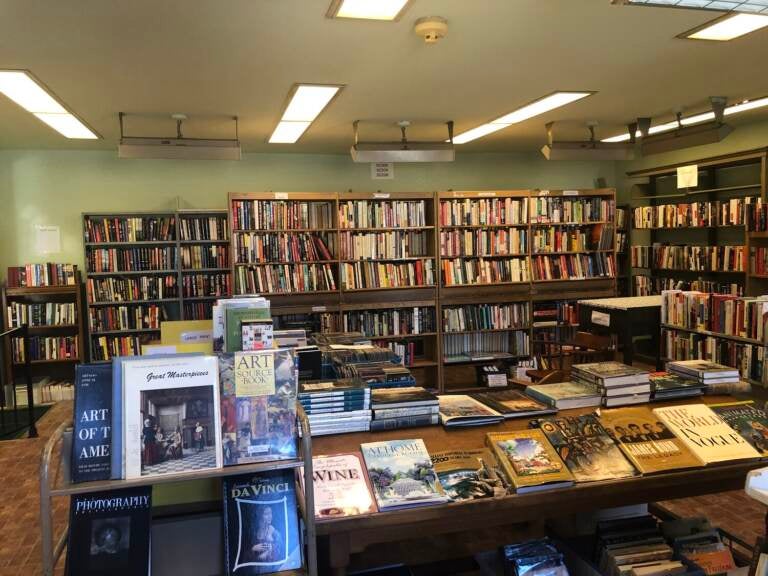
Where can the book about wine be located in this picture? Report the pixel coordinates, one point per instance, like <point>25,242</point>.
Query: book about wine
<point>705,433</point>
<point>401,474</point>
<point>172,422</point>
<point>647,442</point>
<point>261,524</point>
<point>586,448</point>
<point>92,442</point>
<point>462,410</point>
<point>109,533</point>
<point>258,406</point>
<point>529,461</point>
<point>467,474</point>
<point>750,422</point>
<point>341,486</point>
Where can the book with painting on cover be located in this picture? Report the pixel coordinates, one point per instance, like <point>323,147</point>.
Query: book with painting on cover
<point>704,370</point>
<point>401,474</point>
<point>666,385</point>
<point>256,335</point>
<point>529,461</point>
<point>341,486</point>
<point>609,374</point>
<point>705,433</point>
<point>750,422</point>
<point>258,405</point>
<point>462,410</point>
<point>586,448</point>
<point>646,441</point>
<point>109,533</point>
<point>408,397</point>
<point>513,404</point>
<point>92,438</point>
<point>467,474</point>
<point>261,524</point>
<point>566,395</point>
<point>235,318</point>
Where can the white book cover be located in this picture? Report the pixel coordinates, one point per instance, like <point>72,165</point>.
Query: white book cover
<point>171,420</point>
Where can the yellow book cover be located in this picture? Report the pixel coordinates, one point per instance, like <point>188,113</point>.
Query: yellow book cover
<point>647,442</point>
<point>186,331</point>
<point>467,474</point>
<point>529,460</point>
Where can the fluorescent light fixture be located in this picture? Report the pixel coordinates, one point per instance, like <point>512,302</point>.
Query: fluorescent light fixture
<point>21,87</point>
<point>747,105</point>
<point>728,28</point>
<point>367,9</point>
<point>306,103</point>
<point>535,108</point>
<point>749,6</point>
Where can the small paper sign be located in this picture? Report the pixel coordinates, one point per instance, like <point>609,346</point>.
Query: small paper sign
<point>382,171</point>
<point>196,336</point>
<point>381,195</point>
<point>688,176</point>
<point>570,192</point>
<point>543,192</point>
<point>601,318</point>
<point>319,308</point>
<point>487,194</point>
<point>281,195</point>
<point>47,239</point>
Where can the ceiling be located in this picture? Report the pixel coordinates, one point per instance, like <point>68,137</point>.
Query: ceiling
<point>240,57</point>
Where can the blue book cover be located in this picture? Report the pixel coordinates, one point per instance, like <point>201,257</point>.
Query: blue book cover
<point>92,441</point>
<point>261,524</point>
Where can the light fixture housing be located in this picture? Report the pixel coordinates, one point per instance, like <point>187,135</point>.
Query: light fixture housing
<point>385,10</point>
<point>404,150</point>
<point>586,150</point>
<point>24,89</point>
<point>728,27</point>
<point>305,103</point>
<point>748,6</point>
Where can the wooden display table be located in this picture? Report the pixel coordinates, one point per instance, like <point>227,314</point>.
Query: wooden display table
<point>347,536</point>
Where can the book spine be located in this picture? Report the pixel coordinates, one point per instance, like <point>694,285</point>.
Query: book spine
<point>404,422</point>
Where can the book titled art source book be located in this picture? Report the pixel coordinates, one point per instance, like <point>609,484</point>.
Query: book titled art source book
<point>340,486</point>
<point>748,421</point>
<point>462,410</point>
<point>401,474</point>
<point>261,524</point>
<point>92,442</point>
<point>109,533</point>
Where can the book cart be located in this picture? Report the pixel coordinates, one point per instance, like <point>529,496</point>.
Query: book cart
<point>55,482</point>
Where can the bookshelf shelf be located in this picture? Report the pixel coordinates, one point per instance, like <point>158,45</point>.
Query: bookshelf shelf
<point>193,242</point>
<point>282,263</point>
<point>404,336</point>
<point>203,270</point>
<point>572,252</point>
<point>490,330</point>
<point>713,334</point>
<point>138,243</point>
<point>484,257</point>
<point>392,229</point>
<point>50,361</point>
<point>129,273</point>
<point>131,302</point>
<point>124,331</point>
<point>590,223</point>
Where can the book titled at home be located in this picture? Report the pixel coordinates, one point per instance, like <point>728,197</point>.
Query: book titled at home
<point>647,442</point>
<point>261,524</point>
<point>750,422</point>
<point>529,461</point>
<point>705,433</point>
<point>467,474</point>
<point>513,404</point>
<point>92,440</point>
<point>341,486</point>
<point>172,422</point>
<point>235,318</point>
<point>401,474</point>
<point>109,533</point>
<point>258,406</point>
<point>462,410</point>
<point>586,448</point>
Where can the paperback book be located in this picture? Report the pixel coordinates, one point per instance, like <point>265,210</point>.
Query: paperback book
<point>341,486</point>
<point>513,404</point>
<point>261,524</point>
<point>462,410</point>
<point>92,440</point>
<point>748,421</point>
<point>467,474</point>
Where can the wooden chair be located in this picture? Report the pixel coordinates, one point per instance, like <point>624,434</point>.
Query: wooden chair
<point>588,347</point>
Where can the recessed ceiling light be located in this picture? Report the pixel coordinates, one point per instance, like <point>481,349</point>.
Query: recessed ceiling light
<point>306,103</point>
<point>367,9</point>
<point>22,88</point>
<point>288,132</point>
<point>749,6</point>
<point>728,28</point>
<point>528,111</point>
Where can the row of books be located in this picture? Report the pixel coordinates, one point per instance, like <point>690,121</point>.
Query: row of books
<point>692,215</point>
<point>203,228</point>
<point>560,239</point>
<point>756,215</point>
<point>480,271</point>
<point>132,317</point>
<point>206,284</point>
<point>359,275</point>
<point>284,278</point>
<point>758,261</point>
<point>552,314</point>
<point>408,351</point>
<point>382,214</point>
<point>130,229</point>
<point>472,243</point>
<point>336,406</point>
<point>389,322</point>
<point>573,267</point>
<point>131,259</point>
<point>486,317</point>
<point>622,218</point>
<point>281,214</point>
<point>725,314</point>
<point>108,347</point>
<point>693,258</point>
<point>384,245</point>
<point>45,391</point>
<point>576,210</point>
<point>37,275</point>
<point>648,285</point>
<point>131,289</point>
<point>196,257</point>
<point>300,247</point>
<point>45,348</point>
<point>198,310</point>
<point>43,314</point>
<point>622,241</point>
<point>485,346</point>
<point>484,212</point>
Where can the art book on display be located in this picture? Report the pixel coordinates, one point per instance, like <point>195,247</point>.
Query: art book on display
<point>341,486</point>
<point>258,406</point>
<point>401,474</point>
<point>92,441</point>
<point>647,442</point>
<point>467,474</point>
<point>109,533</point>
<point>462,410</point>
<point>586,448</point>
<point>513,404</point>
<point>172,421</point>
<point>235,318</point>
<point>261,524</point>
<point>748,421</point>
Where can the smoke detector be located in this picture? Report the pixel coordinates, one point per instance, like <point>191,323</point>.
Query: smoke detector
<point>431,28</point>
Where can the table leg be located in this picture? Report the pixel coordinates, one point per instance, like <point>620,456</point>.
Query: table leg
<point>627,340</point>
<point>339,553</point>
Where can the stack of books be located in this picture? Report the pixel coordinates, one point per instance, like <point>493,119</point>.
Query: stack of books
<point>706,372</point>
<point>566,395</point>
<point>619,384</point>
<point>336,406</point>
<point>634,546</point>
<point>669,386</point>
<point>534,557</point>
<point>395,408</point>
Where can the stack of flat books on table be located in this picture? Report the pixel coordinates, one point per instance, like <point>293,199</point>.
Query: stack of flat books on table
<point>566,395</point>
<point>336,406</point>
<point>669,386</point>
<point>395,408</point>
<point>706,372</point>
<point>620,384</point>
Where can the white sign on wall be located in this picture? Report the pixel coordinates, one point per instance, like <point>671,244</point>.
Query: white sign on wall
<point>688,176</point>
<point>47,239</point>
<point>382,171</point>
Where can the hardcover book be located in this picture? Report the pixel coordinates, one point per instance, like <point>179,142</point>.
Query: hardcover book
<point>513,404</point>
<point>610,373</point>
<point>705,433</point>
<point>219,315</point>
<point>256,335</point>
<point>529,461</point>
<point>258,406</point>
<point>402,397</point>
<point>172,422</point>
<point>462,410</point>
<point>703,369</point>
<point>586,448</point>
<point>109,533</point>
<point>566,395</point>
<point>646,441</point>
<point>261,524</point>
<point>92,439</point>
<point>401,474</point>
<point>467,474</point>
<point>748,421</point>
<point>235,318</point>
<point>340,486</point>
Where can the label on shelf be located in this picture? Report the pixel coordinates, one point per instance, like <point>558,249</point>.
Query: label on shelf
<point>486,194</point>
<point>319,308</point>
<point>688,176</point>
<point>601,318</point>
<point>281,195</point>
<point>570,192</point>
<point>543,192</point>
